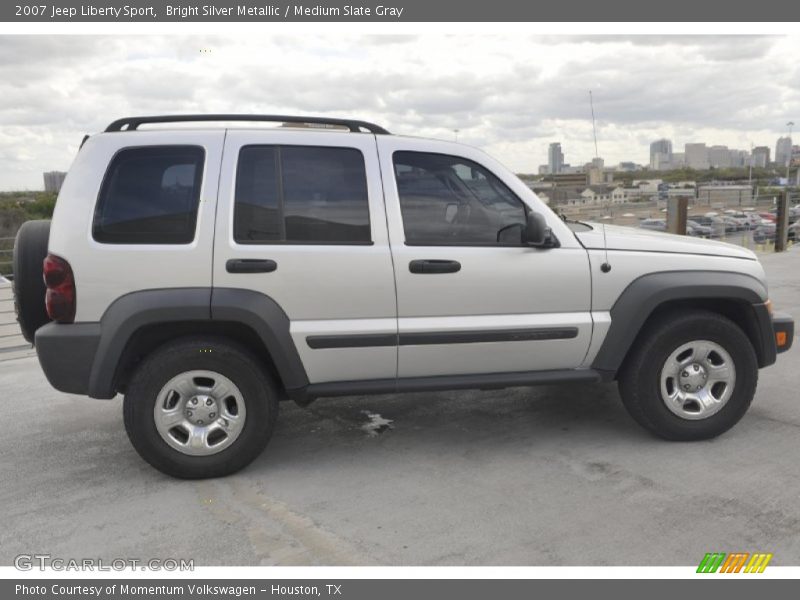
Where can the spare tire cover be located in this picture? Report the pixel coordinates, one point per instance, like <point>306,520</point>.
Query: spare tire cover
<point>30,250</point>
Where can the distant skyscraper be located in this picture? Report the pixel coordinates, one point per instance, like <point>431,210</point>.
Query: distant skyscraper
<point>761,156</point>
<point>740,158</point>
<point>719,157</point>
<point>53,181</point>
<point>660,153</point>
<point>697,156</point>
<point>783,151</point>
<point>555,158</point>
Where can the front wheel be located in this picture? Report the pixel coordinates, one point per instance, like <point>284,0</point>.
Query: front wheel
<point>200,407</point>
<point>690,376</point>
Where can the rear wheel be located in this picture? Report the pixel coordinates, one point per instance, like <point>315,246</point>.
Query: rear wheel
<point>691,376</point>
<point>30,250</point>
<point>200,407</point>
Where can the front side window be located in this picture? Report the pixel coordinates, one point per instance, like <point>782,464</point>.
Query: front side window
<point>449,200</point>
<point>301,194</point>
<point>150,196</point>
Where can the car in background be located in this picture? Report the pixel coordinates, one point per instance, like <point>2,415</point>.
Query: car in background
<point>753,218</point>
<point>768,216</point>
<point>767,231</point>
<point>717,225</point>
<point>654,224</point>
<point>741,220</point>
<point>695,229</point>
<point>732,224</point>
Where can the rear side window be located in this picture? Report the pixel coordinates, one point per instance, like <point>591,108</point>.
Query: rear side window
<point>150,196</point>
<point>301,195</point>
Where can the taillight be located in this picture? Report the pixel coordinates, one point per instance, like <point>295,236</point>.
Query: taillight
<point>60,297</point>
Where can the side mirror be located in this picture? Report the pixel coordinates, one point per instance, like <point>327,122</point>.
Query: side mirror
<point>537,233</point>
<point>511,235</point>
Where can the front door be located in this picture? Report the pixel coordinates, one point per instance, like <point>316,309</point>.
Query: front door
<point>471,299</point>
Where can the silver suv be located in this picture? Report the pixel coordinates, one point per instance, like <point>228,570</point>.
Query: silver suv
<point>208,273</point>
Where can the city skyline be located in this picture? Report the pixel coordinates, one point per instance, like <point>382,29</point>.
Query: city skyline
<point>697,155</point>
<point>510,95</point>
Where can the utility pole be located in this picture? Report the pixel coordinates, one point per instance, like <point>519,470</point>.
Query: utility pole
<point>789,160</point>
<point>750,178</point>
<point>455,132</point>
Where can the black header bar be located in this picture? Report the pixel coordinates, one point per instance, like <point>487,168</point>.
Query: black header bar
<point>153,11</point>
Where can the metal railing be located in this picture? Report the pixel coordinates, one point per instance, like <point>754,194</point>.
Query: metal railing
<point>6,256</point>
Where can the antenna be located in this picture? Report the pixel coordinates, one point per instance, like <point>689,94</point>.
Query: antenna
<point>606,266</point>
<point>594,129</point>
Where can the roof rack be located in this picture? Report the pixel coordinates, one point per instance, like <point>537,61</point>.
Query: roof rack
<point>132,123</point>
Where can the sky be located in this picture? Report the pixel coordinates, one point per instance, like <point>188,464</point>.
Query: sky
<point>510,95</point>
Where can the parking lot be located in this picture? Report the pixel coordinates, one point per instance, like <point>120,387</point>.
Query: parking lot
<point>529,476</point>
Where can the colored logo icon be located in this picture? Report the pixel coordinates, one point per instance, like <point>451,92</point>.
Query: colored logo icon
<point>736,562</point>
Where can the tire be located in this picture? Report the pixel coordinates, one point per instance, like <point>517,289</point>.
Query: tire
<point>649,384</point>
<point>196,365</point>
<point>30,250</point>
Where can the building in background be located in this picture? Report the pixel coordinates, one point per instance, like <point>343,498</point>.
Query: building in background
<point>660,154</point>
<point>761,156</point>
<point>719,157</point>
<point>597,172</point>
<point>555,158</point>
<point>783,151</point>
<point>568,180</point>
<point>740,158</point>
<point>53,180</point>
<point>697,156</point>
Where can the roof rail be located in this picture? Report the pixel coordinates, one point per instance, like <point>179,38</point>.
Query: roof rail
<point>132,123</point>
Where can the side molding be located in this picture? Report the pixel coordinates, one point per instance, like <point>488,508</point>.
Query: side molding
<point>645,294</point>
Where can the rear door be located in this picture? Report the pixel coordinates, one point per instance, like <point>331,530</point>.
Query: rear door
<point>312,203</point>
<point>471,298</point>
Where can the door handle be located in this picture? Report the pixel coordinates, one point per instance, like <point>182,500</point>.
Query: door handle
<point>433,266</point>
<point>250,265</point>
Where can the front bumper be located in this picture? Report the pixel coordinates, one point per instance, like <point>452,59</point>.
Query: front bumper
<point>783,329</point>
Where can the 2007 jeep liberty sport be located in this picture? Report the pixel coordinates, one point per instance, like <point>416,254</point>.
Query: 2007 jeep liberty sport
<point>207,273</point>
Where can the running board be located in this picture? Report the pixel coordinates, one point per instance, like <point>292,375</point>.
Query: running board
<point>485,381</point>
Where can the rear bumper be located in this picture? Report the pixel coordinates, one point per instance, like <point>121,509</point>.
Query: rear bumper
<point>783,331</point>
<point>66,354</point>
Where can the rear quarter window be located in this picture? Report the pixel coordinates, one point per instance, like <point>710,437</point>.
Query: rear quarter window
<point>150,195</point>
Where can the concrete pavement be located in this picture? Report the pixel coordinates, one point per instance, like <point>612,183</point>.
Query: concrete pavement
<point>540,476</point>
